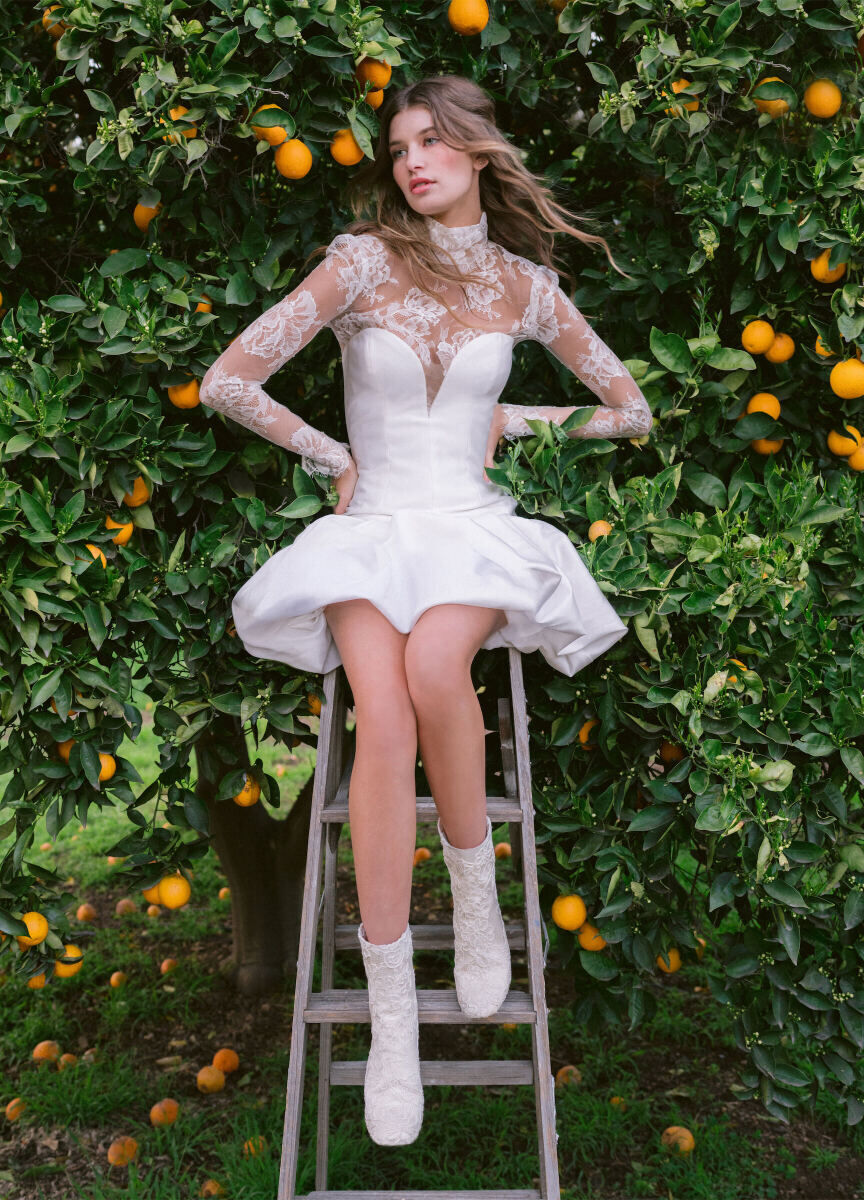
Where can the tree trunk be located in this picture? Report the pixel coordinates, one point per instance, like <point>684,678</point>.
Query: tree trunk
<point>265,864</point>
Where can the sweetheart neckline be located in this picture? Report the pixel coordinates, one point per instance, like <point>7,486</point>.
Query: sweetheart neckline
<point>419,361</point>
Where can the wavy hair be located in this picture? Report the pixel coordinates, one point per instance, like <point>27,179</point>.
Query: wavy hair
<point>521,212</point>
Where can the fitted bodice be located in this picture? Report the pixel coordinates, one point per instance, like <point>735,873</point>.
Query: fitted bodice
<point>432,457</point>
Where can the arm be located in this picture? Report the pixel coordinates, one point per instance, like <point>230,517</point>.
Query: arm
<point>557,324</point>
<point>233,383</point>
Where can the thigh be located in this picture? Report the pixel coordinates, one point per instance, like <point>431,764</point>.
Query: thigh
<point>373,655</point>
<point>445,639</point>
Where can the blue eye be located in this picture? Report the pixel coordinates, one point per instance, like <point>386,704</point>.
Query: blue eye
<point>426,139</point>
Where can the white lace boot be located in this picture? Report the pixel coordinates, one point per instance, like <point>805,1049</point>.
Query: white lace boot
<point>482,953</point>
<point>392,1091</point>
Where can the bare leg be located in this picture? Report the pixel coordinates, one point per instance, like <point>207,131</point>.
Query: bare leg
<point>382,802</point>
<point>438,657</point>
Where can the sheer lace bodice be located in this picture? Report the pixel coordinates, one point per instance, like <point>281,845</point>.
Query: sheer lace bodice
<point>361,285</point>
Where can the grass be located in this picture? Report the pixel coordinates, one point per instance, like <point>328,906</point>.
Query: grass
<point>154,1034</point>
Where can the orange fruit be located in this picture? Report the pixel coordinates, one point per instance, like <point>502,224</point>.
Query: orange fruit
<point>85,912</point>
<point>164,1112</point>
<point>765,402</point>
<point>124,906</point>
<point>590,937</point>
<point>767,445</point>
<point>671,752</point>
<point>503,850</point>
<point>37,930</point>
<point>151,893</point>
<point>344,148</point>
<point>66,1060</point>
<point>108,766</point>
<point>421,854</point>
<point>140,493</point>
<point>820,271</point>
<point>97,553</point>
<point>176,114</point>
<point>227,1060</point>
<point>184,395</point>
<point>677,1138</point>
<point>167,966</point>
<point>275,135</point>
<point>619,1102</point>
<point>856,460</point>
<point>293,159</point>
<point>568,1074</point>
<point>569,912</point>
<point>757,336</point>
<point>598,529</point>
<point>585,733</point>
<point>47,1051</point>
<point>122,1151</point>
<point>210,1079</point>
<point>254,1145</point>
<point>118,978</point>
<point>15,1108</point>
<point>822,98</point>
<point>842,446</point>
<point>847,379</point>
<point>249,793</point>
<point>143,214</point>
<point>821,348</point>
<point>37,981</point>
<point>124,530</point>
<point>64,749</point>
<point>680,85</point>
<point>211,1187</point>
<point>468,16</point>
<point>670,962</point>
<point>781,349</point>
<point>314,703</point>
<point>224,893</point>
<point>153,910</point>
<point>64,970</point>
<point>205,304</point>
<point>375,98</point>
<point>53,25</point>
<point>374,71</point>
<point>174,891</point>
<point>775,108</point>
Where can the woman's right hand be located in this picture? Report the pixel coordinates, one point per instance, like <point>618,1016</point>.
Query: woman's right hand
<point>344,485</point>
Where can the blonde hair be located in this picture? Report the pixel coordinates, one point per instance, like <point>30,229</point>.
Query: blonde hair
<point>521,212</point>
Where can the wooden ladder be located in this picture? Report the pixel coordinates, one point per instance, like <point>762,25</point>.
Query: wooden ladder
<point>329,1006</point>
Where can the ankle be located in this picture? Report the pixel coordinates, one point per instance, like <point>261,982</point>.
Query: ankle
<point>382,936</point>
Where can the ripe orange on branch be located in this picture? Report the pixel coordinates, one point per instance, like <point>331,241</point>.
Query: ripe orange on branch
<point>249,793</point>
<point>680,85</point>
<point>275,135</point>
<point>847,379</point>
<point>344,148</point>
<point>569,912</point>
<point>140,493</point>
<point>757,336</point>
<point>143,214</point>
<point>293,159</point>
<point>822,98</point>
<point>124,530</point>
<point>468,16</point>
<point>176,114</point>
<point>820,271</point>
<point>374,71</point>
<point>775,108</point>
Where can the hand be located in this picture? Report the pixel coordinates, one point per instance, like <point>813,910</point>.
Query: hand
<point>344,485</point>
<point>496,431</point>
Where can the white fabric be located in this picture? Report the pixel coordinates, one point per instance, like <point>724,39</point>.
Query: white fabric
<point>424,527</point>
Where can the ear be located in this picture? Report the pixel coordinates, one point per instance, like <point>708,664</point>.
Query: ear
<point>481,161</point>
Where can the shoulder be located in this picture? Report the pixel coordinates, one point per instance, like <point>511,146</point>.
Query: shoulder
<point>537,274</point>
<point>357,247</point>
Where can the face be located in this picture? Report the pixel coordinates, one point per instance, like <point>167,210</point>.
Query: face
<point>418,151</point>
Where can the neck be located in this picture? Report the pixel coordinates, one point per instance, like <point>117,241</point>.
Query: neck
<point>457,237</point>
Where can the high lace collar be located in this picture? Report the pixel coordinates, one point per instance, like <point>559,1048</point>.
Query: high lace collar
<point>457,237</point>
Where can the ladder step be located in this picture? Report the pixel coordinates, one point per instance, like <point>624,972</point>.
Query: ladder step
<point>434,1194</point>
<point>499,808</point>
<point>434,1007</point>
<point>438,1073</point>
<point>430,937</point>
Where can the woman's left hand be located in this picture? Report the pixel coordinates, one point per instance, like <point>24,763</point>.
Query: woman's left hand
<point>496,431</point>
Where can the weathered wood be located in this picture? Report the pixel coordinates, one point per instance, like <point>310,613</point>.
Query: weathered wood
<point>351,1005</point>
<point>435,1072</point>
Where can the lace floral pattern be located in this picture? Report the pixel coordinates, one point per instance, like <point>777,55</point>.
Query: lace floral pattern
<point>361,283</point>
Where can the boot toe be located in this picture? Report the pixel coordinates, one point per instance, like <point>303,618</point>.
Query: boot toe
<point>395,1120</point>
<point>483,997</point>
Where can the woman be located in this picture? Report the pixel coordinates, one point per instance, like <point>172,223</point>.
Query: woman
<point>423,560</point>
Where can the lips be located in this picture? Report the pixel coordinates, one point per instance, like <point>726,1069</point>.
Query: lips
<point>418,183</point>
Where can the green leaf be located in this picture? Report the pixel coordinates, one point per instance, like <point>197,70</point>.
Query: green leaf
<point>785,894</point>
<point>597,966</point>
<point>46,687</point>
<point>652,818</point>
<point>853,909</point>
<point>671,350</point>
<point>225,48</point>
<point>774,776</point>
<point>853,761</point>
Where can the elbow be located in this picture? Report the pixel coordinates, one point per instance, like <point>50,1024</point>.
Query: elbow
<point>643,421</point>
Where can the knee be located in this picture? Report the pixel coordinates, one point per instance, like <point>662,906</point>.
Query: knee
<point>387,725</point>
<point>435,678</point>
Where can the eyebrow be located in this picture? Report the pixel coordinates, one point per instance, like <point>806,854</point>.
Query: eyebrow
<point>398,141</point>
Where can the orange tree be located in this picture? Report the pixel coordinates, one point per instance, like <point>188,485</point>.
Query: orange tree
<point>166,170</point>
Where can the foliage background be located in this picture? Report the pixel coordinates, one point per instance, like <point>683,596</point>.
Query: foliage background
<point>754,837</point>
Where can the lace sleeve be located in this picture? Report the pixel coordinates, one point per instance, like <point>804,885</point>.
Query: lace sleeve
<point>234,382</point>
<point>555,321</point>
